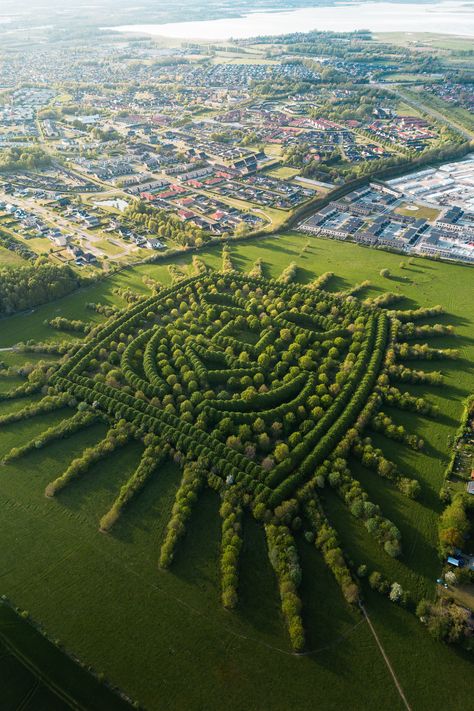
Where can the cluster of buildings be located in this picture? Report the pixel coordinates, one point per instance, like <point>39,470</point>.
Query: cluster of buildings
<point>48,183</point>
<point>32,224</point>
<point>411,132</point>
<point>450,184</point>
<point>367,216</point>
<point>378,215</point>
<point>200,136</point>
<point>453,93</point>
<point>200,208</point>
<point>243,75</point>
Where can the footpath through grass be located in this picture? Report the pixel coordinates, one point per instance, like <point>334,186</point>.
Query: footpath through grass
<point>163,637</point>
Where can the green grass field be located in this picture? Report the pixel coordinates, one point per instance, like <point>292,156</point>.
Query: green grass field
<point>283,172</point>
<point>406,77</point>
<point>163,637</point>
<point>41,677</point>
<point>10,259</point>
<point>425,39</point>
<point>417,211</point>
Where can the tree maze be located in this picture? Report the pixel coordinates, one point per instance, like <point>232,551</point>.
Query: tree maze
<point>259,389</point>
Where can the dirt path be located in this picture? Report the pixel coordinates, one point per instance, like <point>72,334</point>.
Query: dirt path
<point>386,659</point>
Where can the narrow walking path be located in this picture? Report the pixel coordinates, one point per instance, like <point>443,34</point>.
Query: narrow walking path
<point>386,659</point>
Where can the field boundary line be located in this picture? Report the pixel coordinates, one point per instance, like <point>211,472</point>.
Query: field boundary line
<point>38,675</point>
<point>386,659</point>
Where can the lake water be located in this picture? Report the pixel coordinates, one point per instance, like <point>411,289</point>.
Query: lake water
<point>450,17</point>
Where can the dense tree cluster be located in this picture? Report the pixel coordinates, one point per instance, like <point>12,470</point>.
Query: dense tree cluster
<point>445,620</point>
<point>18,246</point>
<point>24,287</point>
<point>163,224</point>
<point>453,525</point>
<point>67,324</point>
<point>21,158</point>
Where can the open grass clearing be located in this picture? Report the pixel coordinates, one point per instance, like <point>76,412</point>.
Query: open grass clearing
<point>10,259</point>
<point>418,211</point>
<point>283,172</point>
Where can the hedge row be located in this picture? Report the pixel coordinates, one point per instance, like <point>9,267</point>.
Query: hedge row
<point>223,376</point>
<point>261,401</point>
<point>284,559</point>
<point>231,544</point>
<point>153,456</point>
<point>192,481</point>
<point>314,321</point>
<point>171,429</point>
<point>197,366</point>
<point>324,438</point>
<point>327,542</point>
<point>416,314</point>
<point>47,404</point>
<point>268,415</point>
<point>125,322</point>
<point>317,433</point>
<point>64,429</point>
<point>117,436</point>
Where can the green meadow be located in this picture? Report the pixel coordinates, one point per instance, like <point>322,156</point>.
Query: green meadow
<point>163,637</point>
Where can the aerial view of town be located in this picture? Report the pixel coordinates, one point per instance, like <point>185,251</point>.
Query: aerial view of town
<point>227,231</point>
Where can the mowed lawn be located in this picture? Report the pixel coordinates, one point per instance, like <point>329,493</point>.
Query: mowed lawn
<point>163,637</point>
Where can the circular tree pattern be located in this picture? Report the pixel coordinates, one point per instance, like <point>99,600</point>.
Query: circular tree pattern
<point>259,389</point>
